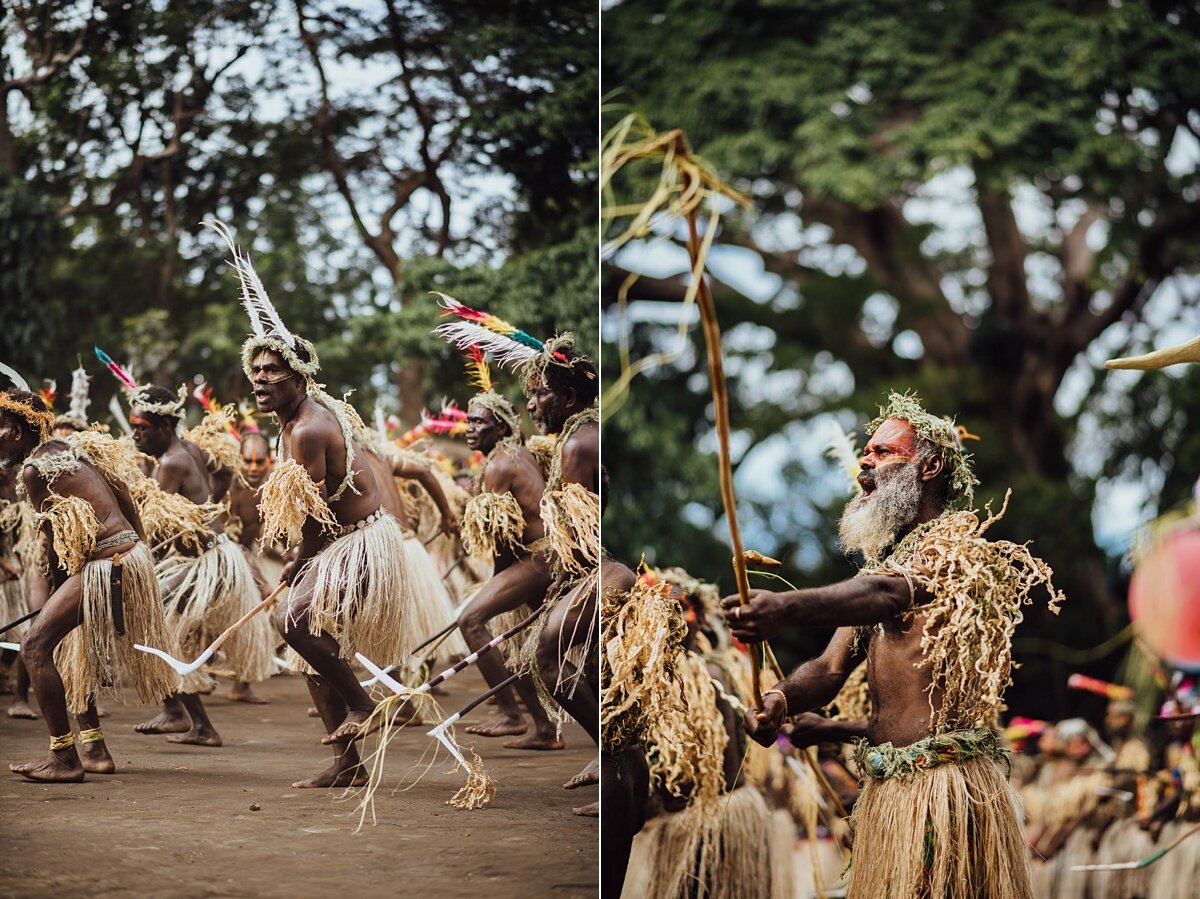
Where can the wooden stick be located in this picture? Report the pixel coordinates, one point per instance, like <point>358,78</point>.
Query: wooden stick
<point>21,620</point>
<point>716,373</point>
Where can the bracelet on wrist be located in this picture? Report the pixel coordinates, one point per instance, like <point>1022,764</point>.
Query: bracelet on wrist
<point>782,696</point>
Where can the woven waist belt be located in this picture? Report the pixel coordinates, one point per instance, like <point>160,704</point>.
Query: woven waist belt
<point>118,539</point>
<point>887,760</point>
<point>360,525</point>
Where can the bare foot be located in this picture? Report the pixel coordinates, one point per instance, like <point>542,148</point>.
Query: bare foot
<point>6,686</point>
<point>53,770</point>
<point>197,736</point>
<point>499,725</point>
<point>312,712</point>
<point>245,693</point>
<point>101,712</point>
<point>96,759</point>
<point>21,709</point>
<point>166,722</point>
<point>335,776</point>
<point>351,728</point>
<point>585,778</point>
<point>587,811</point>
<point>535,741</point>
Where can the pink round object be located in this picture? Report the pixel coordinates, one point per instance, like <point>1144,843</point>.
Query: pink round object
<point>1164,598</point>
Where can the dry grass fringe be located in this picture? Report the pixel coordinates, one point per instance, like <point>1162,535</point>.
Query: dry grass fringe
<point>690,764</point>
<point>431,608</point>
<point>75,527</point>
<point>173,518</point>
<point>951,832</point>
<point>714,850</point>
<point>979,588</point>
<point>572,519</point>
<point>491,522</point>
<point>92,658</point>
<point>361,594</point>
<point>641,640</point>
<point>544,448</point>
<point>289,498</point>
<point>480,788</point>
<point>213,438</point>
<point>203,595</point>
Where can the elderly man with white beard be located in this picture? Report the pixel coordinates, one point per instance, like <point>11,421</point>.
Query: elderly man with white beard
<point>932,611</point>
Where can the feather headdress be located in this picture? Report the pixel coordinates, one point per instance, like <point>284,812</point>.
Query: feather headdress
<point>139,403</point>
<point>117,371</point>
<point>42,420</point>
<point>268,332</point>
<point>114,409</point>
<point>508,344</point>
<point>203,394</point>
<point>49,392</point>
<point>78,404</point>
<point>842,450</point>
<point>442,424</point>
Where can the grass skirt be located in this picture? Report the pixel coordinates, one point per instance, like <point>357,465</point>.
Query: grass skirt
<point>93,658</point>
<point>12,593</point>
<point>947,832</point>
<point>205,594</point>
<point>432,610</point>
<point>1124,841</point>
<point>361,596</point>
<point>1177,874</point>
<point>718,850</point>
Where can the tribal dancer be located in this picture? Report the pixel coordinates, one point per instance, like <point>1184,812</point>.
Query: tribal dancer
<point>563,392</point>
<point>501,522</point>
<point>205,578</point>
<point>933,610</point>
<point>32,588</point>
<point>432,610</point>
<point>349,592</point>
<point>105,595</point>
<point>563,389</point>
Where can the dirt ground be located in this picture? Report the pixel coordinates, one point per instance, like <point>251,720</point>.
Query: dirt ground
<point>179,821</point>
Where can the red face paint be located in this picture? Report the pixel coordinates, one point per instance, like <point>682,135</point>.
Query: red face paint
<point>894,441</point>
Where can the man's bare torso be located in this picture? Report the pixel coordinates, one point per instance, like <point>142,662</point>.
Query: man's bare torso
<point>898,682</point>
<point>319,424</point>
<point>519,474</point>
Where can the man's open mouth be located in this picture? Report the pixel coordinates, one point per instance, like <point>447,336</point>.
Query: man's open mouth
<point>868,485</point>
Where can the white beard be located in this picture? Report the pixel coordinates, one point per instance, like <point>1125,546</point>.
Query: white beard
<point>869,524</point>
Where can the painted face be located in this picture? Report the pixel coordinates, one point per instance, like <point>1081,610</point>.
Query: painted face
<point>149,437</point>
<point>547,408</point>
<point>483,431</point>
<point>893,442</point>
<point>256,461</point>
<point>274,383</point>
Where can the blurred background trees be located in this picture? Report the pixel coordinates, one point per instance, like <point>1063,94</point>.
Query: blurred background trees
<point>364,154</point>
<point>978,202</point>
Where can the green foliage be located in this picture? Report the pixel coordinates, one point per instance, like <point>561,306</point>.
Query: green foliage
<point>837,115</point>
<point>173,113</point>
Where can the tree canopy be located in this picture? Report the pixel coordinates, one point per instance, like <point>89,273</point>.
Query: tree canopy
<point>980,203</point>
<point>364,154</point>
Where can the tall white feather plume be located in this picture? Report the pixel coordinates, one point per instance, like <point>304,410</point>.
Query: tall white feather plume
<point>17,380</point>
<point>841,448</point>
<point>504,350</point>
<point>114,406</point>
<point>381,424</point>
<point>258,305</point>
<point>78,405</point>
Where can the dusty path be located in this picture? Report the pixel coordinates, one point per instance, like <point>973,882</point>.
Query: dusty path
<point>176,821</point>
